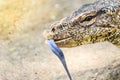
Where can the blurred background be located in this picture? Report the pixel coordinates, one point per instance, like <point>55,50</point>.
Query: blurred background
<point>23,52</point>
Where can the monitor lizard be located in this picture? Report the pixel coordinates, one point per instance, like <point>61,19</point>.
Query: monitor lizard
<point>91,23</point>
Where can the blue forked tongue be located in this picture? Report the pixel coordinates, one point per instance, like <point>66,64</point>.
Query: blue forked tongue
<point>58,52</point>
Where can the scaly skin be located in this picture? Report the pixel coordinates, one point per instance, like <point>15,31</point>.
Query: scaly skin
<point>96,22</point>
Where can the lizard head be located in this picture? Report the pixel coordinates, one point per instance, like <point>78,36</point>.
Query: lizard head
<point>79,28</point>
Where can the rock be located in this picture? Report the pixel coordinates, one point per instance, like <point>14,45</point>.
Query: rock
<point>110,72</point>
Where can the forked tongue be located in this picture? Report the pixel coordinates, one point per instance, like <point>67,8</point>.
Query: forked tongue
<point>58,52</point>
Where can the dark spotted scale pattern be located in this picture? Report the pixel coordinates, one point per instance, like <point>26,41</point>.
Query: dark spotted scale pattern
<point>91,23</point>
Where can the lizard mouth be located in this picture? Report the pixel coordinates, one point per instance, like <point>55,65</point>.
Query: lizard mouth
<point>65,42</point>
<point>62,40</point>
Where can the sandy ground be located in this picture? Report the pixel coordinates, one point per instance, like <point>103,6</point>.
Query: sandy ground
<point>23,52</point>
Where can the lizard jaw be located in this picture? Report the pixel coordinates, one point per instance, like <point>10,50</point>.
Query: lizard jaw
<point>62,40</point>
<point>57,37</point>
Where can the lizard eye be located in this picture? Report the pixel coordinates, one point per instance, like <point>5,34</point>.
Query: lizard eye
<point>88,18</point>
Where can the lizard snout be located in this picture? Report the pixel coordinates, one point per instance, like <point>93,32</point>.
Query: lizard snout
<point>48,34</point>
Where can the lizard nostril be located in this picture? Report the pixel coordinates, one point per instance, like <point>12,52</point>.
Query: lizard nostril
<point>53,29</point>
